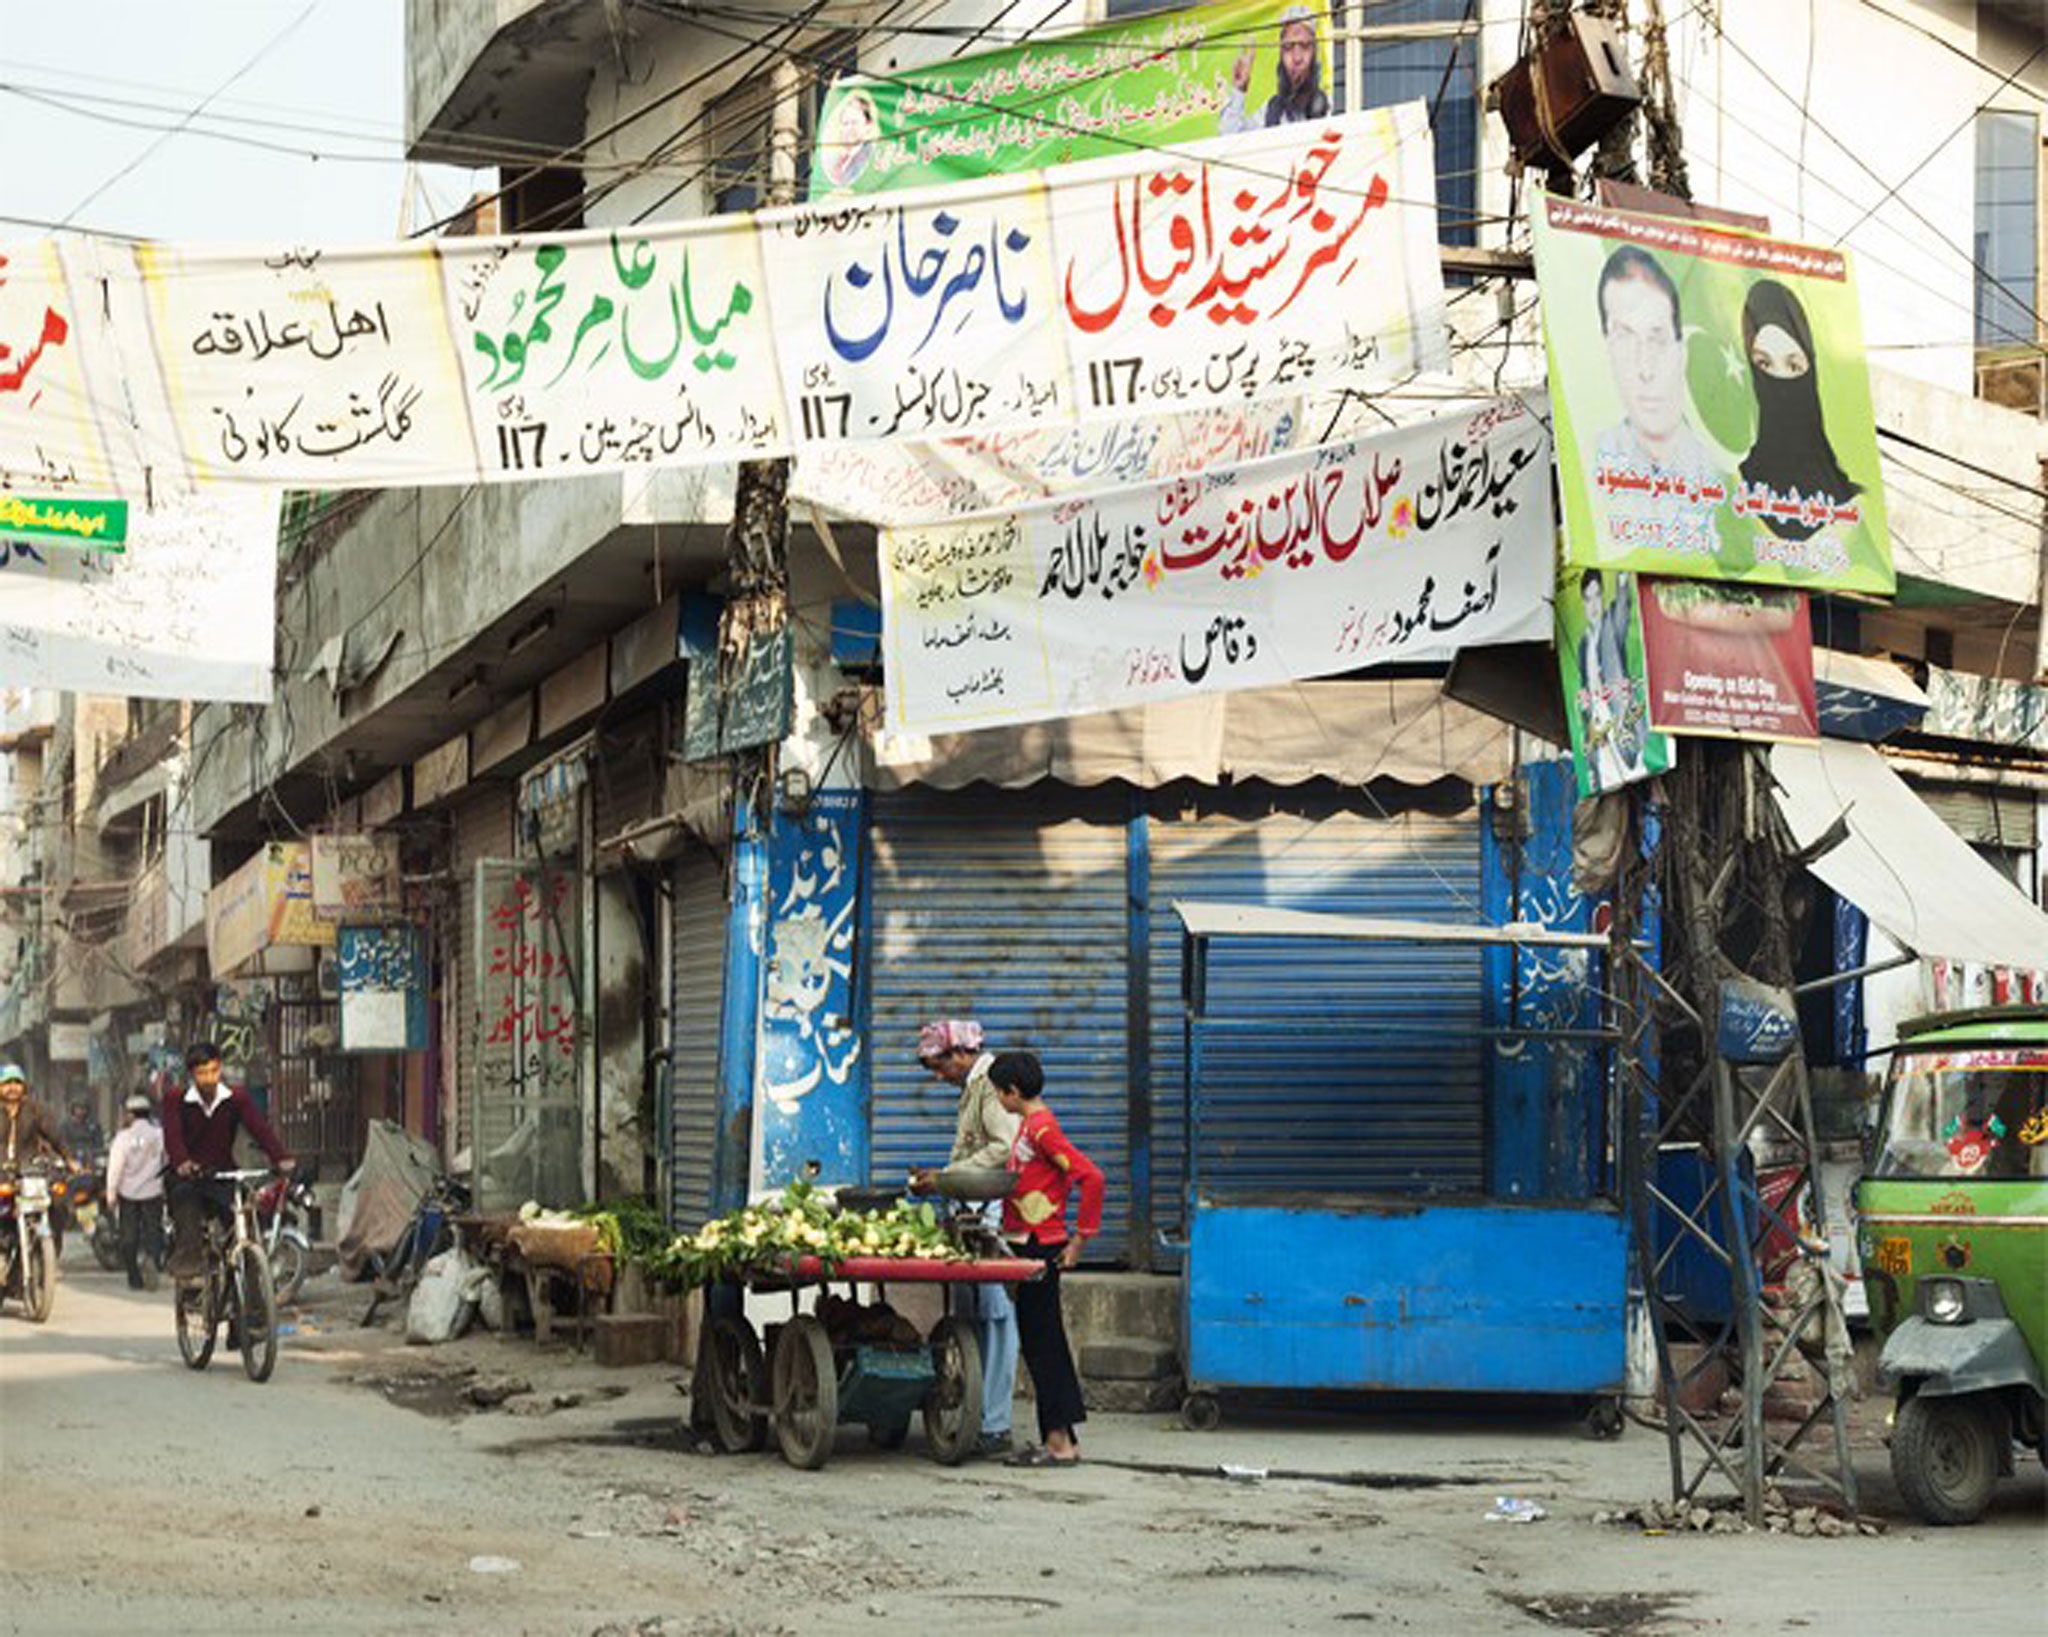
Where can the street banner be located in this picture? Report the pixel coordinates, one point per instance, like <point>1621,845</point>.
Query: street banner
<point>1150,82</point>
<point>187,611</point>
<point>1606,695</point>
<point>1405,546</point>
<point>924,481</point>
<point>1291,260</point>
<point>1731,662</point>
<point>1713,402</point>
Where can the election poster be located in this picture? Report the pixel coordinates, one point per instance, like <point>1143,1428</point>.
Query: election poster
<point>1729,661</point>
<point>1252,269</point>
<point>1606,695</point>
<point>1713,402</point>
<point>1406,546</point>
<point>187,611</point>
<point>1150,82</point>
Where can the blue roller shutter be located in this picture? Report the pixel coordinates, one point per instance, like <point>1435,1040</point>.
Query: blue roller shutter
<point>1009,907</point>
<point>696,1003</point>
<point>1288,1108</point>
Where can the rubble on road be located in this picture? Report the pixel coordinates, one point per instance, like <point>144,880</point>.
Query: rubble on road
<point>1725,1517</point>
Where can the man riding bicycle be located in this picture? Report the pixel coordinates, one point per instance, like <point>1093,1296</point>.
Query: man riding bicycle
<point>200,1124</point>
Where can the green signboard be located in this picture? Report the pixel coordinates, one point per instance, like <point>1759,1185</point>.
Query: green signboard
<point>64,522</point>
<point>1712,402</point>
<point>1151,82</point>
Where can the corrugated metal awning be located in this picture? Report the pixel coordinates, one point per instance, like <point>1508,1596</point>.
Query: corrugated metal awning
<point>1352,732</point>
<point>1259,921</point>
<point>1900,864</point>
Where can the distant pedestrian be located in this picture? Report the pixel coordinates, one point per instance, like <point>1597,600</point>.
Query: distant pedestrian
<point>135,1189</point>
<point>1047,1168</point>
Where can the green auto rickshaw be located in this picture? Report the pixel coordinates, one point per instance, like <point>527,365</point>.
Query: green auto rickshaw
<point>1952,1225</point>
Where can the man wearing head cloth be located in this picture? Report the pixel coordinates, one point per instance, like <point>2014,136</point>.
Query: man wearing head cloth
<point>982,1135</point>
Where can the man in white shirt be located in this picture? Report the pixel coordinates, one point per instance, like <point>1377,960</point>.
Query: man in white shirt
<point>135,1187</point>
<point>982,1135</point>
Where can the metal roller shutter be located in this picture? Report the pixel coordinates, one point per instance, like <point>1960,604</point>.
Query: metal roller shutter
<point>698,999</point>
<point>483,829</point>
<point>1009,907</point>
<point>1287,1108</point>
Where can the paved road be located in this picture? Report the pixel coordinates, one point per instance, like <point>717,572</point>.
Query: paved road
<point>143,1498</point>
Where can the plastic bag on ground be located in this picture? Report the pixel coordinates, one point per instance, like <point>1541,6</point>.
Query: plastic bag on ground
<point>441,1305</point>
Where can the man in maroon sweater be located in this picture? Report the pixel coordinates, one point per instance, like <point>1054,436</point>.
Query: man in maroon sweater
<point>200,1124</point>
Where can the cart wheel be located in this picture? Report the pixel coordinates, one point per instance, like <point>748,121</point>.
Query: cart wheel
<point>891,1436</point>
<point>806,1393</point>
<point>1603,1419</point>
<point>952,1409</point>
<point>1200,1412</point>
<point>735,1382</point>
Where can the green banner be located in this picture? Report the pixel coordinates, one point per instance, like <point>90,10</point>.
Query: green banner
<point>1712,402</point>
<point>1154,81</point>
<point>1606,694</point>
<point>65,522</point>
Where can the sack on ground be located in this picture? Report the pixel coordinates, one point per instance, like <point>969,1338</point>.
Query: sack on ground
<point>442,1304</point>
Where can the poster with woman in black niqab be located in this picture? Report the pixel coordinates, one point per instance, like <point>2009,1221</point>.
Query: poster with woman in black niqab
<point>1791,456</point>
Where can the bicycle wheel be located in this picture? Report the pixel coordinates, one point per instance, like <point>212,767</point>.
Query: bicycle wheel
<point>198,1321</point>
<point>39,1281</point>
<point>288,1266</point>
<point>256,1315</point>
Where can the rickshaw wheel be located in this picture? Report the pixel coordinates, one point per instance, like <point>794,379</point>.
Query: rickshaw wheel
<point>952,1409</point>
<point>806,1393</point>
<point>1201,1412</point>
<point>1945,1458</point>
<point>736,1382</point>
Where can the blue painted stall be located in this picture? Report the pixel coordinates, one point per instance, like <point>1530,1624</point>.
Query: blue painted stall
<point>1428,1286</point>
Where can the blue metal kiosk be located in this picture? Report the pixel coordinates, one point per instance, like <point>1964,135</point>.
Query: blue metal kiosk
<point>1291,1287</point>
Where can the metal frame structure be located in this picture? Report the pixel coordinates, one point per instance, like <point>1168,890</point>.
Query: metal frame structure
<point>1728,865</point>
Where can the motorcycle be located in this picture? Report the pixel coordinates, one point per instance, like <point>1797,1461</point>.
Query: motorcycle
<point>284,1217</point>
<point>28,1255</point>
<point>75,1202</point>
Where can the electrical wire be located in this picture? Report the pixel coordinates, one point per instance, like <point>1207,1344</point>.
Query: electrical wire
<point>198,108</point>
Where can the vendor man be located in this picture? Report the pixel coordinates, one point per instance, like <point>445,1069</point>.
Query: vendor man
<point>982,1135</point>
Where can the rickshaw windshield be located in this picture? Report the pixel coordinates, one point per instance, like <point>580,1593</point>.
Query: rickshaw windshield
<point>1980,1114</point>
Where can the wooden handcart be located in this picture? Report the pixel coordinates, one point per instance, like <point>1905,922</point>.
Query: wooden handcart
<point>848,1365</point>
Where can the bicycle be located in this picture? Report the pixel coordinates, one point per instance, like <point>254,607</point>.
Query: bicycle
<point>425,1235</point>
<point>236,1287</point>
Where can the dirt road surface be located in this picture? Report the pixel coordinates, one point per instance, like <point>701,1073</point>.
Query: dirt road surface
<point>361,1492</point>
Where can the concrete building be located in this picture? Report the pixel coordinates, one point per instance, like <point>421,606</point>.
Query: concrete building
<point>624,989</point>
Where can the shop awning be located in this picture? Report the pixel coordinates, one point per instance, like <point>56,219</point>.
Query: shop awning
<point>1868,699</point>
<point>1210,920</point>
<point>1900,864</point>
<point>1352,732</point>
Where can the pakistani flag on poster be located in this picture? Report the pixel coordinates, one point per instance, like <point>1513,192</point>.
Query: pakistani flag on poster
<point>1713,402</point>
<point>1155,81</point>
<point>1606,688</point>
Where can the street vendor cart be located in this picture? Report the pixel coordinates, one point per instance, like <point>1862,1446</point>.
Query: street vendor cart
<point>1293,1280</point>
<point>847,1362</point>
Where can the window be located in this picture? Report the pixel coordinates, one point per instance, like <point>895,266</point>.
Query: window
<point>737,131</point>
<point>2008,227</point>
<point>1427,50</point>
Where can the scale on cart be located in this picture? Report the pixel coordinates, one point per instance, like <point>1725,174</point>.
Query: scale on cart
<point>1296,1278</point>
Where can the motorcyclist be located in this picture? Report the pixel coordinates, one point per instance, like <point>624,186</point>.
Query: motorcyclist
<point>26,1129</point>
<point>201,1120</point>
<point>81,1129</point>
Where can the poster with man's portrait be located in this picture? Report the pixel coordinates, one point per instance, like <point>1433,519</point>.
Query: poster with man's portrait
<point>1606,689</point>
<point>1712,402</point>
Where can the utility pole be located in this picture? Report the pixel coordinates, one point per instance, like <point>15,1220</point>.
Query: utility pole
<point>1713,833</point>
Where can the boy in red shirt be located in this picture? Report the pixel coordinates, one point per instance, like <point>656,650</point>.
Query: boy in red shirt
<point>1047,1167</point>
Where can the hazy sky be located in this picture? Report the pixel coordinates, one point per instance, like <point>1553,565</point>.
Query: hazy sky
<point>89,88</point>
